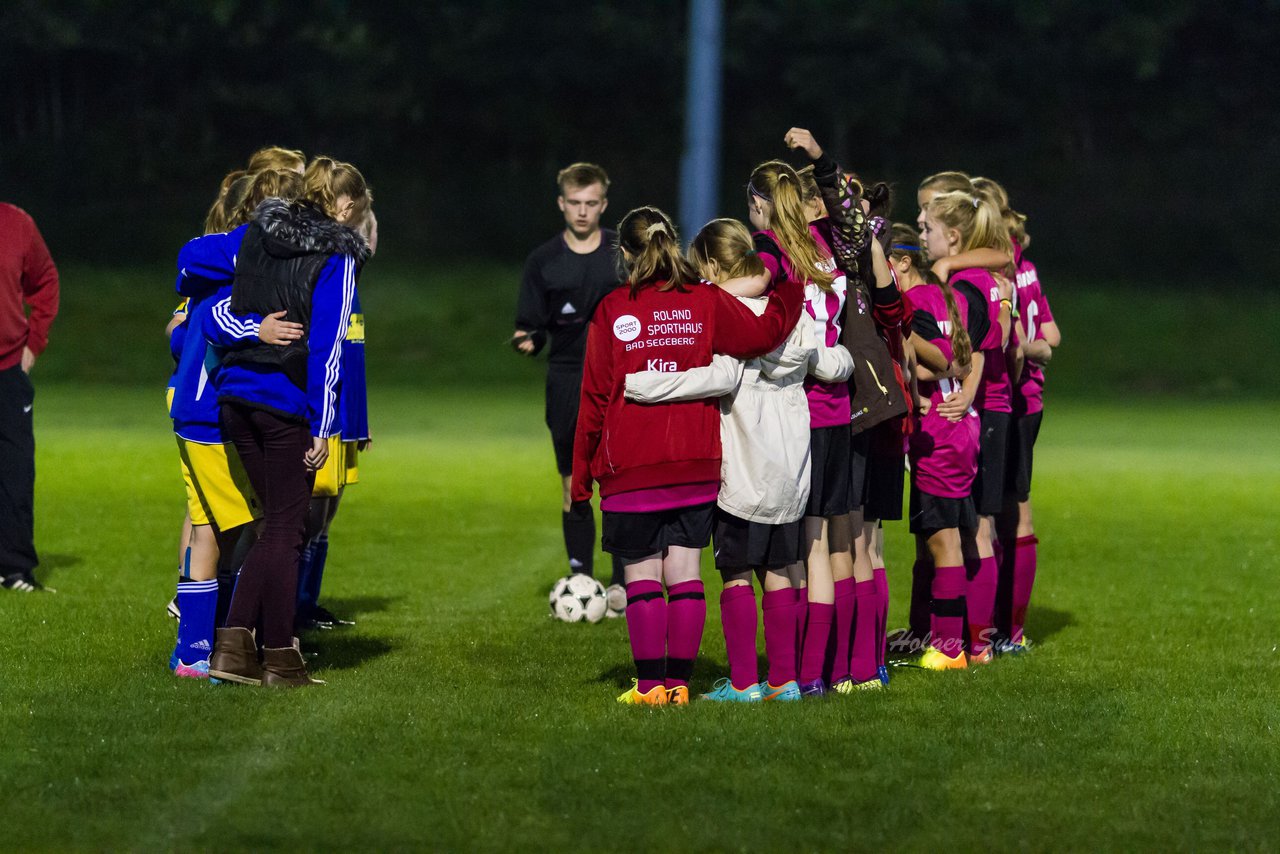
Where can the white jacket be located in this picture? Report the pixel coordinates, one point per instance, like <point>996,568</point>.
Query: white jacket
<point>764,418</point>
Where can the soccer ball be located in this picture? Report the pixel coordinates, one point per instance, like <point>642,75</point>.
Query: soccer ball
<point>577,598</point>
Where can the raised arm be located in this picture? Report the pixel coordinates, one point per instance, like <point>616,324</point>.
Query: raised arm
<point>719,378</point>
<point>841,197</point>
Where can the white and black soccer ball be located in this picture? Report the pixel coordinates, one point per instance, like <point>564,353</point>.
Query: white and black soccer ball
<point>578,598</point>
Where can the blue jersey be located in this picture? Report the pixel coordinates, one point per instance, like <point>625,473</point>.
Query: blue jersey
<point>212,258</point>
<point>353,401</point>
<point>195,397</point>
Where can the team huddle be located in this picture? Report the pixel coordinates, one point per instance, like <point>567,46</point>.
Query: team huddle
<point>768,390</point>
<point>268,407</point>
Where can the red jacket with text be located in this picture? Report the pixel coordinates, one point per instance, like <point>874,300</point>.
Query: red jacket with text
<point>624,445</point>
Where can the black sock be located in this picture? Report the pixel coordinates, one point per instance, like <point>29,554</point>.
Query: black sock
<point>579,536</point>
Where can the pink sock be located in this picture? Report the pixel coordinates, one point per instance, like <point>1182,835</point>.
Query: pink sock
<point>780,634</point>
<point>921,593</point>
<point>980,604</point>
<point>817,632</point>
<point>1024,577</point>
<point>647,627</point>
<point>843,630</point>
<point>686,616</point>
<point>881,578</point>
<point>862,664</point>
<point>948,609</point>
<point>802,621</point>
<point>738,618</point>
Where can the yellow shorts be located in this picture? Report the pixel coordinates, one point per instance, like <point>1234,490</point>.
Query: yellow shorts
<point>168,400</point>
<point>218,489</point>
<point>333,476</point>
<point>352,453</point>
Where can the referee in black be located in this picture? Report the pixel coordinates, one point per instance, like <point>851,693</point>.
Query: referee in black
<point>564,280</point>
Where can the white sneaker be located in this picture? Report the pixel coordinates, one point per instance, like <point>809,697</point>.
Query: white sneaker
<point>615,598</point>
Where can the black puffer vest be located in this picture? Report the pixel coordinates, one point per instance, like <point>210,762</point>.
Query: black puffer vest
<point>283,251</point>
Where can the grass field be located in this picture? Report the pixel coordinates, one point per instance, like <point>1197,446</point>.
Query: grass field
<point>458,716</point>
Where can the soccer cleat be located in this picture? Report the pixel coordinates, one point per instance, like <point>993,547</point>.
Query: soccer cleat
<point>1010,647</point>
<point>816,688</point>
<point>883,673</point>
<point>724,692</point>
<point>786,691</point>
<point>615,598</point>
<point>24,582</point>
<point>199,670</point>
<point>936,659</point>
<point>848,686</point>
<point>985,657</point>
<point>172,609</point>
<point>678,696</point>
<point>656,696</point>
<point>320,617</point>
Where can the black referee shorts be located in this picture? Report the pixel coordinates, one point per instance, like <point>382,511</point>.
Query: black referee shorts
<point>564,387</point>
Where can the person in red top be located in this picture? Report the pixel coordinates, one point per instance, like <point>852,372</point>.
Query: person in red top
<point>27,276</point>
<point>658,465</point>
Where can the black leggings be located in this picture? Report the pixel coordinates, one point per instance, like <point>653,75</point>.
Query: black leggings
<point>272,451</point>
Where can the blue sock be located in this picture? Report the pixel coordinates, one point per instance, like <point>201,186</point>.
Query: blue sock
<point>197,600</point>
<point>306,564</point>
<point>320,554</point>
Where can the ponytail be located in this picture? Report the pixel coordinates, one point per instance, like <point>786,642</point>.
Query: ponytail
<point>326,179</point>
<point>649,239</point>
<point>961,346</point>
<point>778,184</point>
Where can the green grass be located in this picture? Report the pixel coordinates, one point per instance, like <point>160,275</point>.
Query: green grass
<point>458,716</point>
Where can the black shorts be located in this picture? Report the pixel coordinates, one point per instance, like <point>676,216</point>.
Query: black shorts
<point>931,513</point>
<point>886,471</point>
<point>829,452</point>
<point>988,486</point>
<point>741,544</point>
<point>564,387</point>
<point>1022,442</point>
<point>859,451</point>
<point>632,536</point>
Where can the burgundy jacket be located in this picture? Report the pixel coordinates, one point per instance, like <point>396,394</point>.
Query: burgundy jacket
<point>27,275</point>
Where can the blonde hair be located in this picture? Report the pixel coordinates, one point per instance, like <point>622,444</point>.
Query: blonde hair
<point>326,179</point>
<point>216,219</point>
<point>648,237</point>
<point>728,243</point>
<point>578,175</point>
<point>976,216</point>
<point>778,184</point>
<point>947,182</point>
<point>1014,221</point>
<point>271,183</point>
<point>275,157</point>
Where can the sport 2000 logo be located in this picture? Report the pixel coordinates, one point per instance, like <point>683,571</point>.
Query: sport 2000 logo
<point>626,328</point>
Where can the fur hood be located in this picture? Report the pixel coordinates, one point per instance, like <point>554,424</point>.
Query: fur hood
<point>300,228</point>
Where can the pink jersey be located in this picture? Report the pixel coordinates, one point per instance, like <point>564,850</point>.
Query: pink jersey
<point>1034,312</point>
<point>828,402</point>
<point>944,454</point>
<point>995,394</point>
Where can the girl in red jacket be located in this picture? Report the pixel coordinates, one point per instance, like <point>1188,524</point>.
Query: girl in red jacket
<point>658,465</point>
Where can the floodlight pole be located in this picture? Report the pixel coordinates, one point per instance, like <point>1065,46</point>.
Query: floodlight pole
<point>700,164</point>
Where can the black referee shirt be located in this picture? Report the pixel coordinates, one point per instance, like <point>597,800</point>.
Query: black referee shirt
<point>560,291</point>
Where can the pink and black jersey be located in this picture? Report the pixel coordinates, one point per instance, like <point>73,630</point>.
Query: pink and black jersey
<point>1034,312</point>
<point>944,454</point>
<point>995,394</point>
<point>828,402</point>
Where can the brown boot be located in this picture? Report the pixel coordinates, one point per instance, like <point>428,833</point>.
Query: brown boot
<point>284,668</point>
<point>235,657</point>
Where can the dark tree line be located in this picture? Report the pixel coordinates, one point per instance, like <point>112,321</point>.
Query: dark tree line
<point>1126,131</point>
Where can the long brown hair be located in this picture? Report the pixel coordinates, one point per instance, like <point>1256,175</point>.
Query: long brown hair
<point>652,251</point>
<point>777,184</point>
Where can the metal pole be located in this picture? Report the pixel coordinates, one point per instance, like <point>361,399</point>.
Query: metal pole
<point>700,164</point>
